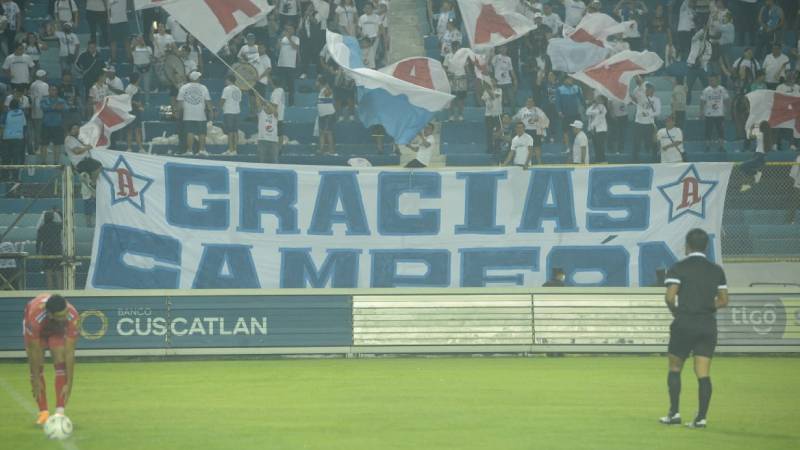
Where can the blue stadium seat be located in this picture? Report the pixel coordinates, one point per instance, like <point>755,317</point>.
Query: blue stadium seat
<point>449,148</point>
<point>300,114</point>
<point>463,133</point>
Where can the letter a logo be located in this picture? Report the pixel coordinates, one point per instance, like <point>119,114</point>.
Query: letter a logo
<point>691,194</point>
<point>224,10</point>
<point>490,22</point>
<point>125,183</point>
<point>415,71</point>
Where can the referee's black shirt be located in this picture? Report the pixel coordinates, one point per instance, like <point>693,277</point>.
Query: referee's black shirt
<point>699,280</point>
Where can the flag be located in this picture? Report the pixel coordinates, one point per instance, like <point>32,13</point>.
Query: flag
<point>569,56</point>
<point>780,110</point>
<point>491,23</point>
<point>595,28</point>
<point>110,115</point>
<point>479,62</point>
<point>212,22</point>
<point>612,77</point>
<point>402,97</point>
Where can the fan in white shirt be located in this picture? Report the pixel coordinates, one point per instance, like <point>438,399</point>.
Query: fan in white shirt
<point>775,66</point>
<point>580,145</point>
<point>18,66</point>
<point>573,12</point>
<point>521,147</point>
<point>535,122</point>
<point>249,51</point>
<point>670,142</point>
<point>369,23</point>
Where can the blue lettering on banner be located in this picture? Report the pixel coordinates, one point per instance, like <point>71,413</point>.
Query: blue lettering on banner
<point>214,215</point>
<point>339,270</point>
<point>336,187</point>
<point>476,262</point>
<point>543,184</point>
<point>480,203</point>
<point>636,208</point>
<point>252,183</point>
<point>385,267</point>
<point>112,272</point>
<point>226,266</point>
<point>228,225</point>
<point>391,185</point>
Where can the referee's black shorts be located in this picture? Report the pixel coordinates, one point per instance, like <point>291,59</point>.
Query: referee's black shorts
<point>692,336</point>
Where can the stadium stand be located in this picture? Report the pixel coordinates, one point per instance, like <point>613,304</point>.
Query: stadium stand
<point>756,217</point>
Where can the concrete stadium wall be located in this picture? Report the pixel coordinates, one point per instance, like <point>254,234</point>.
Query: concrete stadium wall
<point>375,321</point>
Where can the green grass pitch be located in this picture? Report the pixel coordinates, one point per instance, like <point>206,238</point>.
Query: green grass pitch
<point>409,403</point>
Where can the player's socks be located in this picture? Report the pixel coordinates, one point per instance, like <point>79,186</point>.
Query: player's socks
<point>704,397</point>
<point>59,411</point>
<point>674,385</point>
<point>61,381</point>
<point>42,400</point>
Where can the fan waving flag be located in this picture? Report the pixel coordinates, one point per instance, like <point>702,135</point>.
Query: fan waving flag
<point>402,97</point>
<point>612,77</point>
<point>491,23</point>
<point>780,110</point>
<point>212,22</point>
<point>111,115</point>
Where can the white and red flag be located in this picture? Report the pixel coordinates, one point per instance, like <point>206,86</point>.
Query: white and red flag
<point>780,110</point>
<point>212,22</point>
<point>110,115</point>
<point>479,62</point>
<point>491,23</point>
<point>595,28</point>
<point>612,77</point>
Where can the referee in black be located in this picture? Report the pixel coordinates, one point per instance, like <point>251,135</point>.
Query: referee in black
<point>696,289</point>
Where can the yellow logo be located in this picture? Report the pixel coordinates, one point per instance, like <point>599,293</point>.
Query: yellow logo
<point>98,333</point>
<point>792,308</point>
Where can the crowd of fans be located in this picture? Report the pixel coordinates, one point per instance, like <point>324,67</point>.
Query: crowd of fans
<point>695,38</point>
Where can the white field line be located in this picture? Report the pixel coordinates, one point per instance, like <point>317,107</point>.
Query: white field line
<point>29,408</point>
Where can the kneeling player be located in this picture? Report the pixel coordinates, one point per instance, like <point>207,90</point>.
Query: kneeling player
<point>696,289</point>
<point>50,322</point>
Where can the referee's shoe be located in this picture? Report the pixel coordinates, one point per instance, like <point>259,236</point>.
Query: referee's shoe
<point>697,423</point>
<point>671,419</point>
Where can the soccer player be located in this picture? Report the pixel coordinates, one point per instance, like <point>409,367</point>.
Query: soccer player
<point>701,287</point>
<point>50,322</point>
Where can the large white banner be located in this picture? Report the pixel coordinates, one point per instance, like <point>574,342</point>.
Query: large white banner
<point>166,223</point>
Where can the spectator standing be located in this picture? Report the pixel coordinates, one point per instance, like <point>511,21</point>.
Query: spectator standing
<point>521,149</point>
<point>503,69</point>
<point>451,39</point>
<point>776,64</point>
<point>134,129</point>
<point>268,140</point>
<point>176,30</point>
<point>699,57</point>
<point>580,144</point>
<point>18,67</point>
<point>771,23</point>
<point>115,84</point>
<point>679,94</point>
<point>658,32</point>
<point>277,100</point>
<point>746,20</point>
<point>288,13</point>
<point>422,144</point>
<point>535,122</point>
<point>569,103</point>
<point>492,99</point>
<point>617,125</point>
<point>34,48</point>
<point>66,12</point>
<point>13,16</point>
<point>457,75</point>
<point>312,38</point>
<point>230,104</point>
<point>97,17</point>
<point>54,108</point>
<point>195,104</point>
<point>546,94</point>
<point>744,70</point>
<point>598,127</point>
<point>287,59</point>
<point>38,90</point>
<point>551,19</point>
<point>344,93</point>
<point>142,57</point>
<point>119,31</point>
<point>686,26</point>
<point>68,47</point>
<point>636,11</point>
<point>48,242</point>
<point>751,168</point>
<point>648,108</point>
<point>248,53</point>
<point>346,17</point>
<point>90,65</point>
<point>326,117</point>
<point>13,123</point>
<point>670,142</point>
<point>713,104</point>
<point>69,92</point>
<point>97,93</point>
<point>573,11</point>
<point>442,18</point>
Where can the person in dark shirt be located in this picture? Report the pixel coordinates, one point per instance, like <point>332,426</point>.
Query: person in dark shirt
<point>696,289</point>
<point>556,279</point>
<point>48,242</point>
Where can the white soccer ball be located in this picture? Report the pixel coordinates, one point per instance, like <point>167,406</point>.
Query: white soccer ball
<point>58,427</point>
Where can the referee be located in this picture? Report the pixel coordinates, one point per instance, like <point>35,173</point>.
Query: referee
<point>702,289</point>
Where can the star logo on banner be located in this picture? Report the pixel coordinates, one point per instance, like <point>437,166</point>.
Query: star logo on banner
<point>687,195</point>
<point>126,185</point>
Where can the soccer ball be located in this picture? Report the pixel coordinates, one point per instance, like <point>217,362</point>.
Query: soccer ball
<point>58,427</point>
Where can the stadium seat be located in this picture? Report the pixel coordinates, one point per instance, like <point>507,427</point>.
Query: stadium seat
<point>463,133</point>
